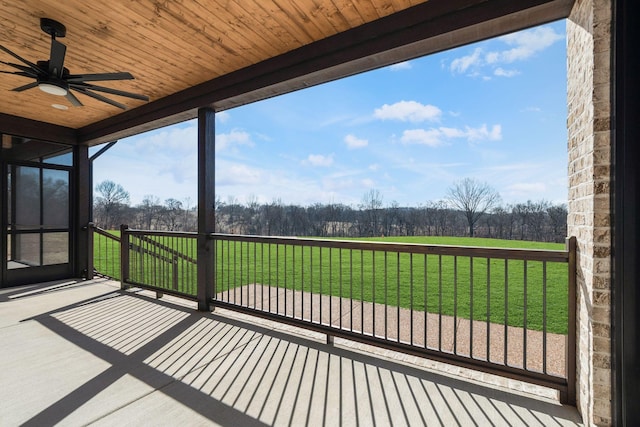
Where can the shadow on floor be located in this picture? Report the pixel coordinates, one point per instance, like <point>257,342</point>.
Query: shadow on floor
<point>165,364</point>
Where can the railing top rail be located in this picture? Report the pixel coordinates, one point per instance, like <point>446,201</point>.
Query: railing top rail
<point>105,233</point>
<point>162,233</point>
<point>417,248</point>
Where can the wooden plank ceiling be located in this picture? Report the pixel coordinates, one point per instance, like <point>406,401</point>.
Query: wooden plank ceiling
<point>187,54</point>
<point>167,45</point>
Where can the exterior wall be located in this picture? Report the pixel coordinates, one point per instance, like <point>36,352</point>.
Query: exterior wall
<point>589,125</point>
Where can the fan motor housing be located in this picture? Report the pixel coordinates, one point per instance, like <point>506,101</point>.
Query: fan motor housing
<point>53,27</point>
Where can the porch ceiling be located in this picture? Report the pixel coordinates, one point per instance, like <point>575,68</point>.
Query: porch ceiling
<point>220,53</point>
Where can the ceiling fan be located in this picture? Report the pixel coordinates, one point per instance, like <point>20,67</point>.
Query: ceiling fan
<point>53,77</point>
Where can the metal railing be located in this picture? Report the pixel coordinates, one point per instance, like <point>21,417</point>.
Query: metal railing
<point>106,252</point>
<point>160,260</point>
<point>509,312</point>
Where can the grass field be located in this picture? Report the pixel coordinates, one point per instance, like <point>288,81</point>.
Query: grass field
<point>445,284</point>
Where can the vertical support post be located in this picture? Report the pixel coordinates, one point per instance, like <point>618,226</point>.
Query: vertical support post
<point>90,245</point>
<point>570,357</point>
<point>206,200</point>
<point>83,197</point>
<point>124,256</point>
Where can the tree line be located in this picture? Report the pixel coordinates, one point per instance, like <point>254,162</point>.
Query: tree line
<point>470,208</point>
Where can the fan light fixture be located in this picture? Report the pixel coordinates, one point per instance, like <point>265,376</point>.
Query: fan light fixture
<point>53,89</point>
<point>52,77</point>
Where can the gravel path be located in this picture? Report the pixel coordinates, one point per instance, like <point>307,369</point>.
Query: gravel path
<point>444,333</point>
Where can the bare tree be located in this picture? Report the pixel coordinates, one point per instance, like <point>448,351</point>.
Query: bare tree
<point>149,210</point>
<point>172,213</point>
<point>558,222</point>
<point>111,201</point>
<point>473,198</point>
<point>371,212</point>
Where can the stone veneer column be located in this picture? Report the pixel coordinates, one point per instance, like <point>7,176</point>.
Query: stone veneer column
<point>589,129</point>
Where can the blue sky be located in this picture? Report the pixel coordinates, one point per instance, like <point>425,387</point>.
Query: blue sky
<point>494,111</point>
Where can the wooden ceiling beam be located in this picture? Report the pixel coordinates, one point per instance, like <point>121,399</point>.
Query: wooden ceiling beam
<point>426,28</point>
<point>33,129</point>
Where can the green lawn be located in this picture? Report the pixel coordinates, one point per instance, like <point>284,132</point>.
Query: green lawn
<point>415,282</point>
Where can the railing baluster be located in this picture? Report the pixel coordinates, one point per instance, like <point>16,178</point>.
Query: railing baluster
<point>471,307</point>
<point>253,246</point>
<point>386,295</point>
<point>361,291</point>
<point>277,282</point>
<point>455,305</point>
<point>506,312</point>
<point>439,302</point>
<point>488,309</point>
<point>321,293</point>
<point>425,299</point>
<point>351,290</point>
<point>373,289</point>
<point>398,295</point>
<point>311,250</point>
<point>544,317</point>
<point>229,270</point>
<point>524,320</point>
<point>285,279</point>
<point>330,286</point>
<point>293,281</point>
<point>410,297</point>
<point>269,283</point>
<point>340,285</point>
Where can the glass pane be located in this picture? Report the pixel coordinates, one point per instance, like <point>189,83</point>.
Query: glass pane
<point>32,150</point>
<point>65,159</point>
<point>26,251</point>
<point>55,248</point>
<point>55,198</point>
<point>27,198</point>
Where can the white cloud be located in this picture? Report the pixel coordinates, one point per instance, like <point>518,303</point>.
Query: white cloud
<point>431,137</point>
<point>436,137</point>
<point>180,138</point>
<point>229,174</point>
<point>528,42</point>
<point>521,46</point>
<point>223,117</point>
<point>374,167</point>
<point>461,65</point>
<point>501,72</point>
<point>368,183</point>
<point>353,142</point>
<point>319,160</point>
<point>233,138</point>
<point>411,111</point>
<point>527,187</point>
<point>406,65</point>
<point>482,133</point>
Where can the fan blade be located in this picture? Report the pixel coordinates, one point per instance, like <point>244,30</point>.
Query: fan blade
<point>73,100</point>
<point>79,78</point>
<point>109,90</point>
<point>56,60</point>
<point>22,68</point>
<point>21,59</point>
<point>99,97</point>
<point>25,87</point>
<point>17,73</point>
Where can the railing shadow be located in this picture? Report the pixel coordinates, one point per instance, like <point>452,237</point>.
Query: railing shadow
<point>236,372</point>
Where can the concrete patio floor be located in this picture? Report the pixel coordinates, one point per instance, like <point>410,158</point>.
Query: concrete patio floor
<point>86,353</point>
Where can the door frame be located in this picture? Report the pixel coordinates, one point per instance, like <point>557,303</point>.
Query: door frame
<point>22,276</point>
